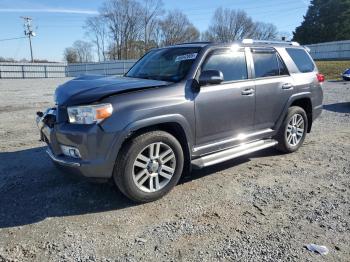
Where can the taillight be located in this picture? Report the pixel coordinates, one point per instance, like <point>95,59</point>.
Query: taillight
<point>320,78</point>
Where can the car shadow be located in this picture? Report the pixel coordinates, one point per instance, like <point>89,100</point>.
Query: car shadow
<point>338,107</point>
<point>32,189</point>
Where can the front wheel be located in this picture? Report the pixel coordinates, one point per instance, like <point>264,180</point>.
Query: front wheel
<point>149,166</point>
<point>293,130</point>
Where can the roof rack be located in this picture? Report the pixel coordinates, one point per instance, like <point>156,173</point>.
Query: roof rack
<point>198,42</point>
<point>252,41</point>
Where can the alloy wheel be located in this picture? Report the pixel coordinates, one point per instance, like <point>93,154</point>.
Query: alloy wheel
<point>295,129</point>
<point>154,167</point>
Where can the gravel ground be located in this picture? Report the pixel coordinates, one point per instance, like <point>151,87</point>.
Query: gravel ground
<point>262,207</point>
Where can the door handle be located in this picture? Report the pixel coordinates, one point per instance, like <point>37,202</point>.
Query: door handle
<point>287,86</point>
<point>247,92</point>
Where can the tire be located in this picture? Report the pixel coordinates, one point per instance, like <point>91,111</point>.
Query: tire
<point>289,136</point>
<point>142,179</point>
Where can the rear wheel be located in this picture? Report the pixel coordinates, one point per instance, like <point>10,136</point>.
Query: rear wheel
<point>149,166</point>
<point>293,130</point>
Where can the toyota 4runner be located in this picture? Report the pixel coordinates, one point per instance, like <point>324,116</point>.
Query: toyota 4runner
<point>188,105</point>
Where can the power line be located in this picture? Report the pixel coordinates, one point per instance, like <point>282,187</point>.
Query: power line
<point>14,38</point>
<point>19,47</point>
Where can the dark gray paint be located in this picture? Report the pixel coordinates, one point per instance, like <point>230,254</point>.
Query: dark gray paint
<point>212,117</point>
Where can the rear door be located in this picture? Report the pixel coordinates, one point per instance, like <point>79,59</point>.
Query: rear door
<point>273,86</point>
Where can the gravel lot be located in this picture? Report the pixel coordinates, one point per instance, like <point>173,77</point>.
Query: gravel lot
<point>262,207</point>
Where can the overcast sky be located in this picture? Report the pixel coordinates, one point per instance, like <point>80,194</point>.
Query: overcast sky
<point>59,23</point>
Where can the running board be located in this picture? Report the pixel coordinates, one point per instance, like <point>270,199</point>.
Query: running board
<point>231,153</point>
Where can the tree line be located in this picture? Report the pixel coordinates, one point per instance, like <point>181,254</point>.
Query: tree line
<point>325,21</point>
<point>126,29</point>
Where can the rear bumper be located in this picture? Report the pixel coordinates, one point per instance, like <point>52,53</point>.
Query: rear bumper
<point>98,148</point>
<point>316,112</point>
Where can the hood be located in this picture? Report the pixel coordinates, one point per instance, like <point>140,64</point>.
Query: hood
<point>91,88</point>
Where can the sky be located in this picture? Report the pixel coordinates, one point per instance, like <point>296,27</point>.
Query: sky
<point>59,23</point>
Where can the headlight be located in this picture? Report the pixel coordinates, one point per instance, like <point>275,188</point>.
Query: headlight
<point>89,114</point>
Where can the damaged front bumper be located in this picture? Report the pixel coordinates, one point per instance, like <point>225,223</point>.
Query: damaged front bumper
<point>45,122</point>
<point>94,144</point>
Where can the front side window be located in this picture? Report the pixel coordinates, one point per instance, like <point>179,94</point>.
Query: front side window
<point>168,64</point>
<point>232,64</point>
<point>301,59</point>
<point>266,64</point>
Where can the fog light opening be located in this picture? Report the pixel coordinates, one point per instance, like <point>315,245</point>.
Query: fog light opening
<point>70,151</point>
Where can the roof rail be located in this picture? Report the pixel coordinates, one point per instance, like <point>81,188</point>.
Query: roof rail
<point>198,42</point>
<point>252,41</point>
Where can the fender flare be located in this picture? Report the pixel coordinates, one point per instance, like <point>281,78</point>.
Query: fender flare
<point>148,122</point>
<point>290,101</point>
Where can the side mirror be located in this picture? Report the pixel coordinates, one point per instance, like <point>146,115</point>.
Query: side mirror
<point>211,77</point>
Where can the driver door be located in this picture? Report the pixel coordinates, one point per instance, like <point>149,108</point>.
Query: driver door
<point>225,112</point>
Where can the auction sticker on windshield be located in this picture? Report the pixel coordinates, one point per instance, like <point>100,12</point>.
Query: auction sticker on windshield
<point>186,57</point>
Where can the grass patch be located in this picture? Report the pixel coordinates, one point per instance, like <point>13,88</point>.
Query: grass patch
<point>332,69</point>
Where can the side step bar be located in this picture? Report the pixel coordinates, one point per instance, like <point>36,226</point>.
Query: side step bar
<point>231,153</point>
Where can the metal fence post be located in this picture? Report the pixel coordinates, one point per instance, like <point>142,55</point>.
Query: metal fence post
<point>123,67</point>
<point>22,71</point>
<point>45,69</point>
<point>0,71</point>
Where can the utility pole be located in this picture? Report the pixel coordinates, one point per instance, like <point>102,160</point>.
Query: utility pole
<point>28,31</point>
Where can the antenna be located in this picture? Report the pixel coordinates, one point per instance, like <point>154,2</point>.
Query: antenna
<point>28,31</point>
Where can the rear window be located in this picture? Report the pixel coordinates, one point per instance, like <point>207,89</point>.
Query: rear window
<point>266,64</point>
<point>301,59</point>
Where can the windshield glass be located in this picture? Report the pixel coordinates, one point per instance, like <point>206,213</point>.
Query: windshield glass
<point>168,64</point>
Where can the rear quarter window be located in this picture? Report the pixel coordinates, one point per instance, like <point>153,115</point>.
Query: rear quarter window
<point>302,60</point>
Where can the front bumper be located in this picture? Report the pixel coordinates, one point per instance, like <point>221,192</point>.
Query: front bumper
<point>62,160</point>
<point>346,77</point>
<point>98,148</point>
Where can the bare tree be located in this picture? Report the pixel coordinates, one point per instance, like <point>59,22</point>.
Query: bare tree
<point>228,25</point>
<point>264,31</point>
<point>132,27</point>
<point>151,10</point>
<point>83,50</point>
<point>70,55</point>
<point>124,21</point>
<point>97,30</point>
<point>176,28</point>
<point>112,51</point>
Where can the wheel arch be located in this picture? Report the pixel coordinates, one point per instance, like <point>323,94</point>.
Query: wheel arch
<point>306,104</point>
<point>302,100</point>
<point>174,125</point>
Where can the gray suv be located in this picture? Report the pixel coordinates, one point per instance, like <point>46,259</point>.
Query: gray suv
<point>188,105</point>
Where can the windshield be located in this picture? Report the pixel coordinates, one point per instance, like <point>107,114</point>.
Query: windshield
<point>168,64</point>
